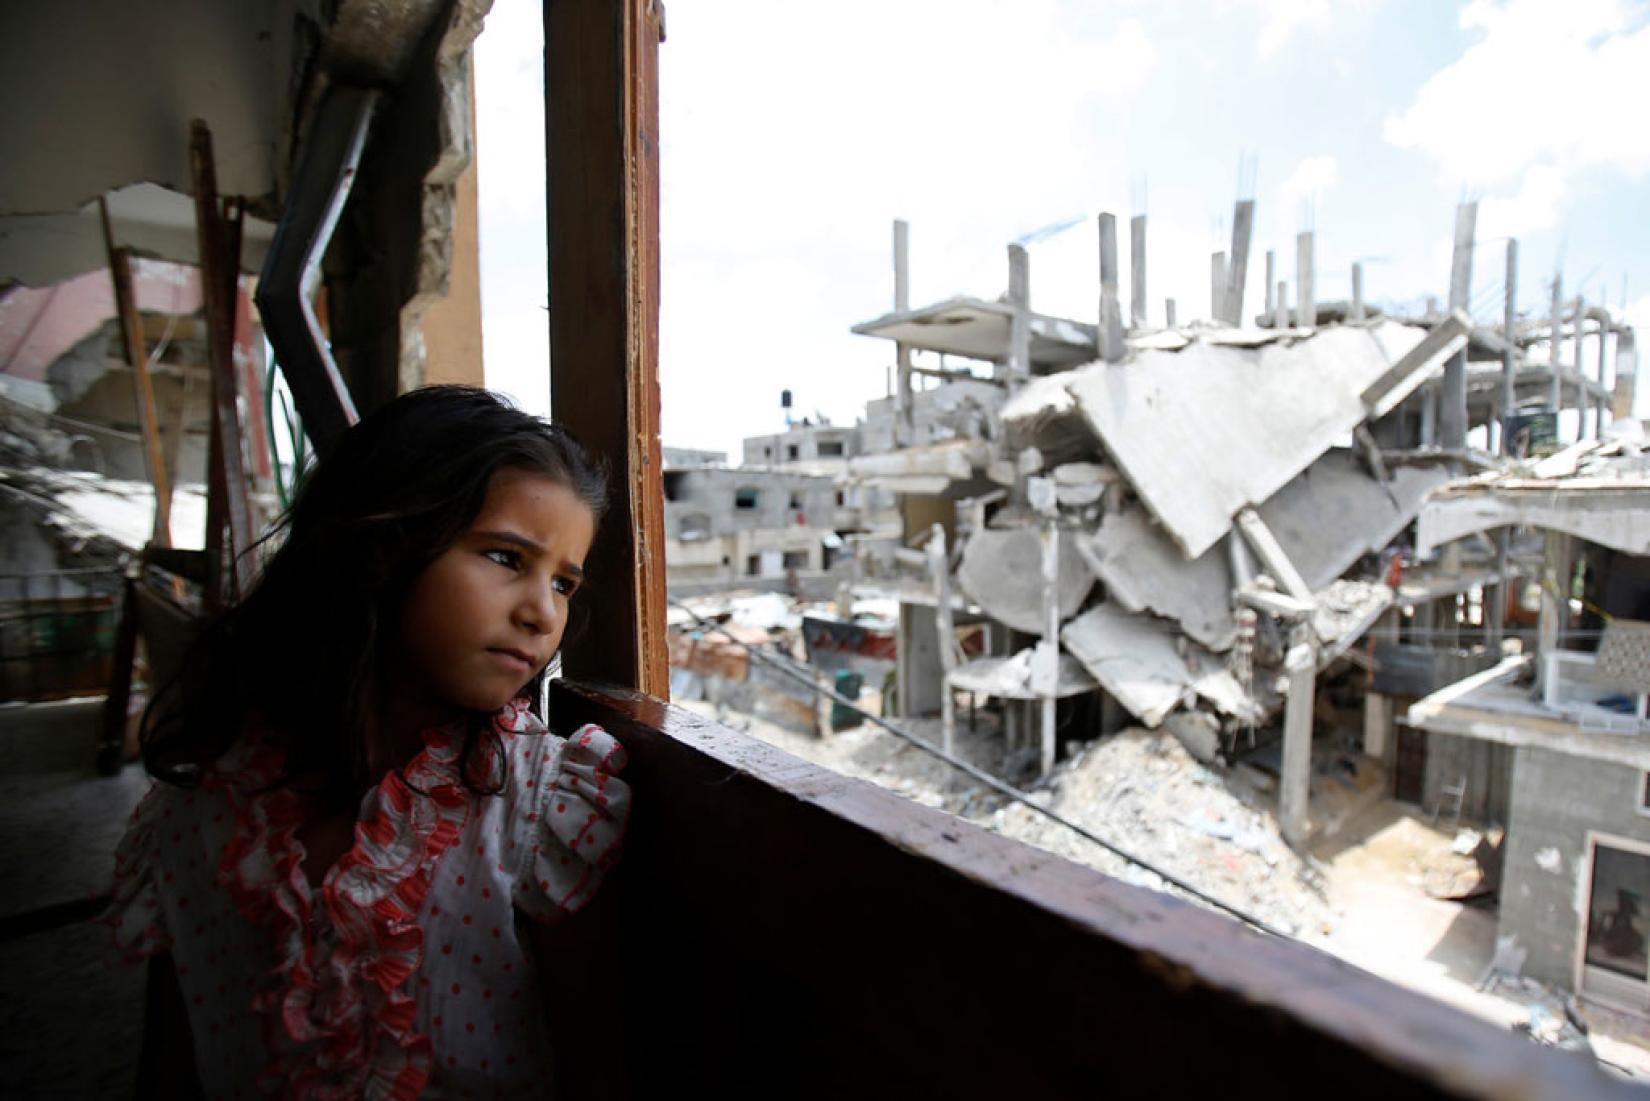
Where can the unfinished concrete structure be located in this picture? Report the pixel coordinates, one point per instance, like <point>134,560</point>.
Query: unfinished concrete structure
<point>768,524</point>
<point>1200,520</point>
<point>1563,724</point>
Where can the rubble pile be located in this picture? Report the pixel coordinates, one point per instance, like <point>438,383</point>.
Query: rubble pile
<point>1142,791</point>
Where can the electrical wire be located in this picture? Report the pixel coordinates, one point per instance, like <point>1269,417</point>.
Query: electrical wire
<point>786,666</point>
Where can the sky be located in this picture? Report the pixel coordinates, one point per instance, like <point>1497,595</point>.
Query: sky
<point>793,135</point>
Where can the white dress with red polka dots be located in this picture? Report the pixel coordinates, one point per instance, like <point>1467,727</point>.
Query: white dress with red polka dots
<point>404,974</point>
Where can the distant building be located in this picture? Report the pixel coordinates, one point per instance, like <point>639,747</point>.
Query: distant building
<point>772,522</point>
<point>809,444</point>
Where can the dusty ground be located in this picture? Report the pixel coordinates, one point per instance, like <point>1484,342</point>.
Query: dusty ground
<point>1361,894</point>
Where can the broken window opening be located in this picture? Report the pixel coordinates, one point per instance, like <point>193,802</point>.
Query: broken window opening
<point>746,497</point>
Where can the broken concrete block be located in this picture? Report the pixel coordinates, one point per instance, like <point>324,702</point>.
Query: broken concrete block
<point>1198,732</point>
<point>999,573</point>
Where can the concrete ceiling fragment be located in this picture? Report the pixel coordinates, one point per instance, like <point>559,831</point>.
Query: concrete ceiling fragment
<point>112,87</point>
<point>1325,519</point>
<point>1612,515</point>
<point>1245,420</point>
<point>1139,661</point>
<point>999,572</point>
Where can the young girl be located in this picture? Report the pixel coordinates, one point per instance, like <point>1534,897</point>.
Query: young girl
<point>359,821</point>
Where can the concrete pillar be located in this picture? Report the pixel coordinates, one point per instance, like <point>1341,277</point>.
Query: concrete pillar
<point>1137,272</point>
<point>918,671</point>
<point>1047,659</point>
<point>1586,426</point>
<point>1294,784</point>
<point>1555,392</point>
<point>1603,343</point>
<point>1377,724</point>
<point>1495,596</point>
<point>1271,284</point>
<point>1357,292</point>
<point>1217,287</point>
<point>1452,412</point>
<point>1429,418</point>
<point>1237,274</point>
<point>1555,602</point>
<point>1306,302</point>
<point>1280,316</point>
<point>904,433</point>
<point>1509,357</point>
<point>1111,317</point>
<point>1019,328</point>
<point>939,566</point>
<point>1168,313</point>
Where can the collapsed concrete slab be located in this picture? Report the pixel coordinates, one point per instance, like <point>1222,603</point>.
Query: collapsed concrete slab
<point>1248,420</point>
<point>999,573</point>
<point>1145,572</point>
<point>1139,661</point>
<point>1324,520</point>
<point>1334,513</point>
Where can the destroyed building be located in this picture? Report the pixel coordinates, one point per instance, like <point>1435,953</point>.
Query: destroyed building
<point>1199,526</point>
<point>765,524</point>
<point>1555,739</point>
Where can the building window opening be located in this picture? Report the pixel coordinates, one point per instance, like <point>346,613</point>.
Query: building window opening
<point>796,560</point>
<point>673,485</point>
<point>830,449</point>
<point>695,525</point>
<point>841,498</point>
<point>796,502</point>
<point>792,452</point>
<point>746,497</point>
<point>753,565</point>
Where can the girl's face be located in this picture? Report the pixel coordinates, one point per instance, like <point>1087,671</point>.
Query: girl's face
<point>487,615</point>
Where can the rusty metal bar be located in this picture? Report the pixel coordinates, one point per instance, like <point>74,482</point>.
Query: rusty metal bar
<point>137,357</point>
<point>218,238</point>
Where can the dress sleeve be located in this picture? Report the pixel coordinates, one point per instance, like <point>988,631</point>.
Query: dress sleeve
<point>573,822</point>
<point>134,912</point>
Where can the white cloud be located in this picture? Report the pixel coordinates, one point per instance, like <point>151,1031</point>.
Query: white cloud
<point>1537,204</point>
<point>1638,316</point>
<point>1308,181</point>
<point>1534,103</point>
<point>1280,20</point>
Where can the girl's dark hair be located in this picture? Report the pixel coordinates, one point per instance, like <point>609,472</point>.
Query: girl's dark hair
<point>302,651</point>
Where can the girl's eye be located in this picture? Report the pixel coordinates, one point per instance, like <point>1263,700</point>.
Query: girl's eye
<point>509,559</point>
<point>566,586</point>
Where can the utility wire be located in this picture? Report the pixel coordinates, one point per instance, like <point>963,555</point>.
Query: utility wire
<point>786,667</point>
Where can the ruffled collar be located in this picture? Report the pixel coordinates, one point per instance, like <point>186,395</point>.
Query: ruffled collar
<point>340,1021</point>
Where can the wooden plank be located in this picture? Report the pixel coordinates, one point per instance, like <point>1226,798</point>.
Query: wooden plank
<point>602,150</point>
<point>786,931</point>
<point>218,240</point>
<point>137,358</point>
